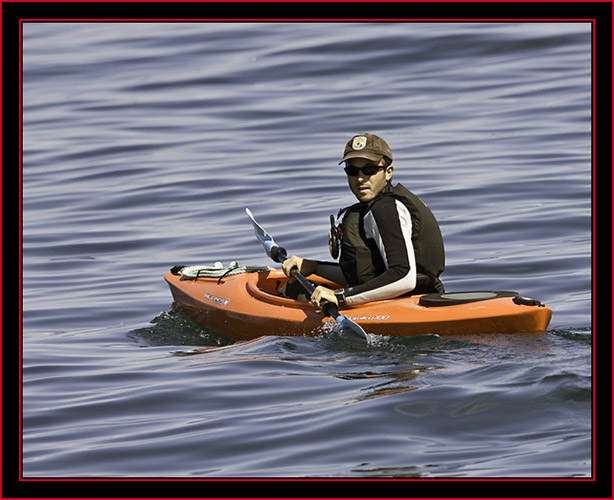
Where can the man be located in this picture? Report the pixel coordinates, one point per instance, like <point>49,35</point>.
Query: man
<point>391,244</point>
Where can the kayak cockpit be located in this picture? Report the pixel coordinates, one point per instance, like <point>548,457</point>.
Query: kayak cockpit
<point>268,286</point>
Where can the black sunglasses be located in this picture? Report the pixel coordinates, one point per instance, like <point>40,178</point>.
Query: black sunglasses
<point>367,170</point>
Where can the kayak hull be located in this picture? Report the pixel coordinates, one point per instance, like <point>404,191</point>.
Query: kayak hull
<point>246,306</point>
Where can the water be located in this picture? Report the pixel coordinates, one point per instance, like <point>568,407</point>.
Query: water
<point>142,145</point>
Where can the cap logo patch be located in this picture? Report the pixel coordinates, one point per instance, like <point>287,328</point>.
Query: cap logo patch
<point>359,143</point>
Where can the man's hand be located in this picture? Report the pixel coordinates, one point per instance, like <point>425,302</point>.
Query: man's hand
<point>304,266</point>
<point>321,296</point>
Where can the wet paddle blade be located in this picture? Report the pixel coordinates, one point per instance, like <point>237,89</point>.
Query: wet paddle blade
<point>344,322</point>
<point>354,329</point>
<point>265,238</point>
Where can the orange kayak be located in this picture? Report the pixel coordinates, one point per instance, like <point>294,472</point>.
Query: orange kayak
<point>247,305</point>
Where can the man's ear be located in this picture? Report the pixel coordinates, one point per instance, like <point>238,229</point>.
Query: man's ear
<point>389,170</point>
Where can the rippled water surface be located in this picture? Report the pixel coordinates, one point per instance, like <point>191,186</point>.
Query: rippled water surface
<point>144,142</point>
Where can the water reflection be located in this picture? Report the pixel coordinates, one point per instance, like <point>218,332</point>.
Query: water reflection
<point>397,382</point>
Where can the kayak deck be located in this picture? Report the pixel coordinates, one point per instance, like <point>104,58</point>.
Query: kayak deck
<point>248,305</point>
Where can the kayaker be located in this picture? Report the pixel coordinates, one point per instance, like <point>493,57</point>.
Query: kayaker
<point>390,241</point>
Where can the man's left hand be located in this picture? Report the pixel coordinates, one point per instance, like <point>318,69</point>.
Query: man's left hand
<point>321,295</point>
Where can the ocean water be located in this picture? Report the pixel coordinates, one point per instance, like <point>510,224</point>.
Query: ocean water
<point>144,142</point>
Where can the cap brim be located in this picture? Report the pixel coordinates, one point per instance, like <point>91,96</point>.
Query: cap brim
<point>361,154</point>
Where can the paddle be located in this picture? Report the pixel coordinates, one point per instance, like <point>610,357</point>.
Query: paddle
<point>278,254</point>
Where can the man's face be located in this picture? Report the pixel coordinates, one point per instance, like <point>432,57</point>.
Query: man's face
<point>364,186</point>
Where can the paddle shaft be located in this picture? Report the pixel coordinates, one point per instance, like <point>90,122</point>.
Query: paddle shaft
<point>329,308</point>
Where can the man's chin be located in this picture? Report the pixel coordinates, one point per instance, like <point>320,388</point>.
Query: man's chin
<point>364,197</point>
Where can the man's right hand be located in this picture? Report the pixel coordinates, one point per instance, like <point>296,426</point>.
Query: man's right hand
<point>304,266</point>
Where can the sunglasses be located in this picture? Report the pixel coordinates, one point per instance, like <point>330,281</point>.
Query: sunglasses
<point>367,170</point>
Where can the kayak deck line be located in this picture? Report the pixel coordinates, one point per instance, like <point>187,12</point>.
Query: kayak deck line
<point>248,305</point>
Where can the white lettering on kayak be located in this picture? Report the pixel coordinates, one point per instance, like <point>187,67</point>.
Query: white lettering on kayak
<point>217,300</point>
<point>382,317</point>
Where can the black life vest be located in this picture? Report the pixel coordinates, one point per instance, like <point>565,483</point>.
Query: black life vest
<point>360,258</point>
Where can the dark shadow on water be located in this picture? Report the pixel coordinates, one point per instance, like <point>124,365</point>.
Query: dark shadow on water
<point>176,328</point>
<point>584,335</point>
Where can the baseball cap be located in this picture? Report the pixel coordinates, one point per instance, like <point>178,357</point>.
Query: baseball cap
<point>367,146</point>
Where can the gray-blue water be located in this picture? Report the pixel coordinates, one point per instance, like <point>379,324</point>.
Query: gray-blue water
<point>142,145</point>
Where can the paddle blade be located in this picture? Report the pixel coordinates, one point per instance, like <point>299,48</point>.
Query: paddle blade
<point>265,238</point>
<point>354,329</point>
